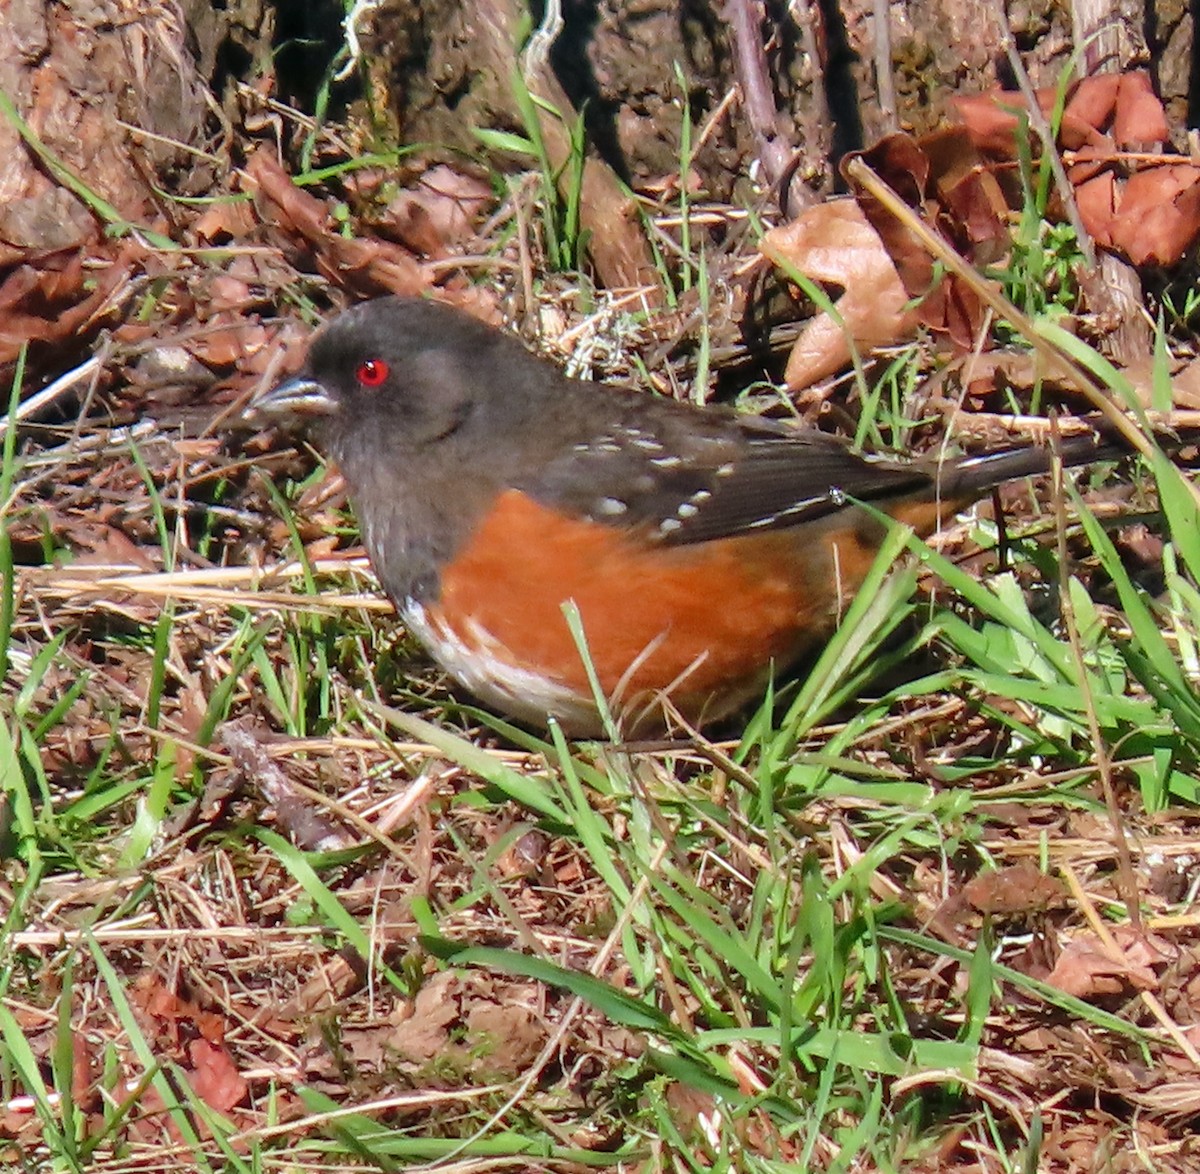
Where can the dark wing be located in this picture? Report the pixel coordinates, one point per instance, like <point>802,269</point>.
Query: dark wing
<point>681,476</point>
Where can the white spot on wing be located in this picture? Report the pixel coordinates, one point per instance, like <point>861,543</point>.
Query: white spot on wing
<point>799,507</point>
<point>643,440</point>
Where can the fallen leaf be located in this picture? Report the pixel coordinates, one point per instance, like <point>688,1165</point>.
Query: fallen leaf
<point>509,1036</point>
<point>366,265</point>
<point>833,243</point>
<point>1018,888</point>
<point>214,1076</point>
<point>1087,970</point>
<point>440,210</point>
<point>1139,120</point>
<point>1158,214</point>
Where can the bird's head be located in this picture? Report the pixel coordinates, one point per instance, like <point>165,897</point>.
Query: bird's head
<point>404,373</point>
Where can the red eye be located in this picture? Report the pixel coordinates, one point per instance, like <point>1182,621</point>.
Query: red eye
<point>371,372</point>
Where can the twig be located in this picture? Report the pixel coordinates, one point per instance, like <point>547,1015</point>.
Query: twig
<point>44,398</point>
<point>353,45</point>
<point>537,49</point>
<point>745,19</point>
<point>885,83</point>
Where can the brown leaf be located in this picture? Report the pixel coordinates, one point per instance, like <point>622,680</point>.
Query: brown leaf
<point>990,120</point>
<point>173,1012</point>
<point>214,1076</point>
<point>96,542</point>
<point>1140,120</point>
<point>993,121</point>
<point>509,1035</point>
<point>945,304</point>
<point>368,266</point>
<point>439,211</point>
<point>1096,199</point>
<point>980,209</point>
<point>224,220</point>
<point>53,298</point>
<point>1153,216</point>
<point>1093,100</point>
<point>1159,214</point>
<point>1086,970</point>
<point>832,243</point>
<point>224,346</point>
<point>425,1033</point>
<point>1019,888</point>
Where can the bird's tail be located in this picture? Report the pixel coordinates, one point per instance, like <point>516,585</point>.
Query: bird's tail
<point>970,477</point>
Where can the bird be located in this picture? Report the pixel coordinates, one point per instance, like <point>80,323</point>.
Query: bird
<point>703,549</point>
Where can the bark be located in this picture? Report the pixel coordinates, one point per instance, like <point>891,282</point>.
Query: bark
<point>116,100</point>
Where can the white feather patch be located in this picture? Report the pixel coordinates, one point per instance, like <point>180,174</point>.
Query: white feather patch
<point>484,666</point>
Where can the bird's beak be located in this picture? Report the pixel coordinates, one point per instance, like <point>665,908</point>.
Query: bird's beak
<point>300,396</point>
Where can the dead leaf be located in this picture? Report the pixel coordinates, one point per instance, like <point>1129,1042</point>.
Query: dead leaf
<point>425,1033</point>
<point>1149,213</point>
<point>944,304</point>
<point>1158,214</point>
<point>368,266</point>
<point>1092,102</point>
<point>53,298</point>
<point>1018,888</point>
<point>1139,120</point>
<point>214,1076</point>
<point>439,211</point>
<point>225,220</point>
<point>509,1036</point>
<point>833,244</point>
<point>175,1015</point>
<point>1087,970</point>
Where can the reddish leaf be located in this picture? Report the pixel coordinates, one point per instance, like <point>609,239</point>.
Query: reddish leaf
<point>1096,200</point>
<point>51,299</point>
<point>223,220</point>
<point>1086,969</point>
<point>1094,99</point>
<point>440,210</point>
<point>1159,214</point>
<point>1140,119</point>
<point>214,1076</point>
<point>991,120</point>
<point>369,266</point>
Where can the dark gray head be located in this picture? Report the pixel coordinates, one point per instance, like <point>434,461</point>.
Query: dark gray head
<point>408,373</point>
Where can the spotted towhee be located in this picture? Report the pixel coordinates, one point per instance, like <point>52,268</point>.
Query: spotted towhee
<point>703,549</point>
